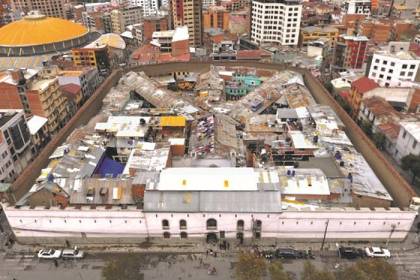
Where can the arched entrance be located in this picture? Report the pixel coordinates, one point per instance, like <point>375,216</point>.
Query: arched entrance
<point>211,238</point>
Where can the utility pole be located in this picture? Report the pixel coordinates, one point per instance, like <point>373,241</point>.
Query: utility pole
<point>325,233</point>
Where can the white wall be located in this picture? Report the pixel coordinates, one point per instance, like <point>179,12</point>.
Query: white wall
<point>343,223</point>
<point>405,142</point>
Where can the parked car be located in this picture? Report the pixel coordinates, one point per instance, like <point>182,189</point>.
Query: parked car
<point>49,254</point>
<point>287,253</point>
<point>350,252</point>
<point>377,252</point>
<point>74,253</point>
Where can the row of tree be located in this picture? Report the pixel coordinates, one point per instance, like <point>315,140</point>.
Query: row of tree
<point>252,267</point>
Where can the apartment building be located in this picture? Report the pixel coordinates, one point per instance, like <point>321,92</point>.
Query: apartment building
<point>50,8</point>
<point>150,7</point>
<point>350,51</point>
<point>172,41</point>
<point>390,68</point>
<point>359,7</point>
<point>276,21</point>
<point>216,17</point>
<point>15,144</point>
<point>40,136</point>
<point>189,13</point>
<point>313,33</point>
<point>121,18</point>
<point>92,57</point>
<point>87,78</point>
<point>35,92</point>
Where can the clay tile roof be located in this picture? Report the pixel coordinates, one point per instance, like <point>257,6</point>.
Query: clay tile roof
<point>364,84</point>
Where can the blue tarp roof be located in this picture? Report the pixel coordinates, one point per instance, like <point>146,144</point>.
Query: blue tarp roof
<point>109,166</point>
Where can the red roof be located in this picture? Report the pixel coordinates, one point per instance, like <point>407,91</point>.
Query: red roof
<point>72,89</point>
<point>363,85</point>
<point>345,95</point>
<point>390,130</point>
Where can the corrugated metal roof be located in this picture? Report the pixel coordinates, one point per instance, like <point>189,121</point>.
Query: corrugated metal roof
<point>213,201</point>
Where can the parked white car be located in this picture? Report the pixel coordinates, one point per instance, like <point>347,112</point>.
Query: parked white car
<point>377,252</point>
<point>49,254</point>
<point>74,253</point>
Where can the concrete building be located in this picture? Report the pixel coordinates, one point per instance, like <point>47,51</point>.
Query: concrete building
<point>50,8</point>
<point>358,88</point>
<point>37,93</point>
<point>275,22</point>
<point>394,68</point>
<point>350,51</point>
<point>377,31</point>
<point>360,7</point>
<point>175,41</point>
<point>154,23</point>
<point>216,17</point>
<point>123,17</point>
<point>150,7</point>
<point>87,78</point>
<point>40,135</point>
<point>189,13</point>
<point>15,144</point>
<point>408,140</point>
<point>313,33</point>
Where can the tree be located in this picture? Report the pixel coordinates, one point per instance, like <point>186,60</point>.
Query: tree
<point>250,266</point>
<point>372,269</point>
<point>366,127</point>
<point>310,272</point>
<point>277,272</point>
<point>126,267</point>
<point>411,163</point>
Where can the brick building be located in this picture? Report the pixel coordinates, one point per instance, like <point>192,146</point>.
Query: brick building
<point>154,23</point>
<point>351,51</point>
<point>216,17</point>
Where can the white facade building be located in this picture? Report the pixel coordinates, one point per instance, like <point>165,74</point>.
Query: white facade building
<point>360,7</point>
<point>150,7</point>
<point>276,21</point>
<point>15,144</point>
<point>394,69</point>
<point>408,140</point>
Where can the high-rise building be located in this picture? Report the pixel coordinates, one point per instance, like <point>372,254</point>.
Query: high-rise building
<point>15,144</point>
<point>360,7</point>
<point>50,8</point>
<point>121,18</point>
<point>154,23</point>
<point>150,7</point>
<point>216,17</point>
<point>276,21</point>
<point>188,12</point>
<point>350,51</point>
<point>36,93</point>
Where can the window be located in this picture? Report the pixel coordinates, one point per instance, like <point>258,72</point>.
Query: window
<point>409,74</point>
<point>412,66</point>
<point>404,134</point>
<point>414,144</point>
<point>390,71</point>
<point>211,224</point>
<point>375,67</point>
<point>258,225</point>
<point>166,234</point>
<point>392,63</point>
<point>240,225</point>
<point>377,60</point>
<point>165,224</point>
<point>404,66</point>
<point>402,73</point>
<point>184,234</point>
<point>182,224</point>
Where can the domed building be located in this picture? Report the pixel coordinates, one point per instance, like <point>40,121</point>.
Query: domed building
<point>37,37</point>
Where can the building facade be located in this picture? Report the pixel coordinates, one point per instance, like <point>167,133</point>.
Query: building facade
<point>394,69</point>
<point>152,24</point>
<point>408,140</point>
<point>189,13</point>
<point>350,51</point>
<point>360,7</point>
<point>150,7</point>
<point>216,17</point>
<point>121,18</point>
<point>15,144</point>
<point>51,8</point>
<point>313,33</point>
<point>275,21</point>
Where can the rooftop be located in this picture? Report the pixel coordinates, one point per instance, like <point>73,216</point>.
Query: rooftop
<point>413,128</point>
<point>35,124</point>
<point>364,84</point>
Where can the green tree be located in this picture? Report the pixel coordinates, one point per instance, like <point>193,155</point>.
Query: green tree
<point>126,267</point>
<point>411,163</point>
<point>379,140</point>
<point>250,266</point>
<point>277,272</point>
<point>366,127</point>
<point>310,272</point>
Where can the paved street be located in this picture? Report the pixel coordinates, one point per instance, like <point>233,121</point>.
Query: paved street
<point>174,266</point>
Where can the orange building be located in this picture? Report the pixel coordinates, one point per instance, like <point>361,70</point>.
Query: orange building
<point>152,24</point>
<point>376,31</point>
<point>216,17</point>
<point>358,88</point>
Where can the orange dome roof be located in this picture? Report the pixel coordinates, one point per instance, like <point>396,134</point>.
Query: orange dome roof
<point>37,29</point>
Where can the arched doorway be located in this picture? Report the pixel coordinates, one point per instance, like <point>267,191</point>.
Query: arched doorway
<point>211,238</point>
